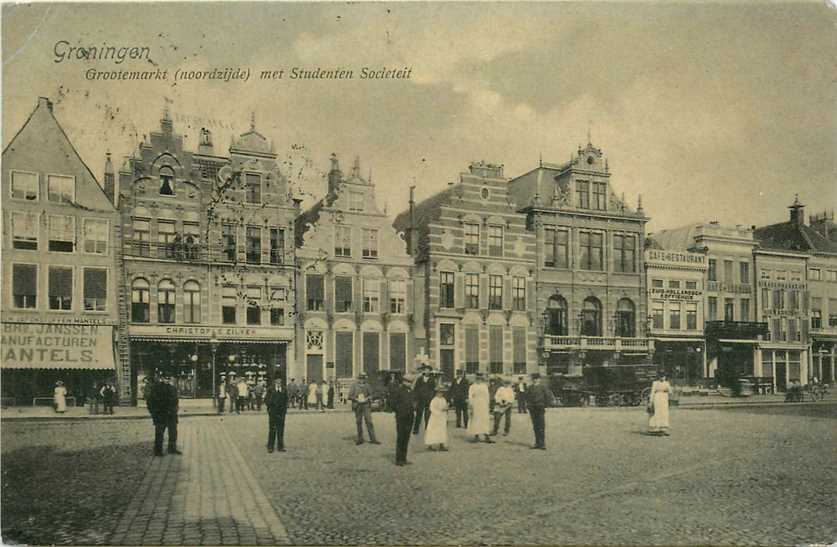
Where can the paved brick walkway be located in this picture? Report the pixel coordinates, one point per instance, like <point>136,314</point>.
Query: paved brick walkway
<point>208,496</point>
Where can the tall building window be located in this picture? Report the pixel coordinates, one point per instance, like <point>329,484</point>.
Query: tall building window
<point>24,230</point>
<point>582,189</point>
<point>793,299</point>
<point>600,196</point>
<point>472,239</point>
<point>165,238</point>
<point>356,201</point>
<point>793,333</point>
<point>495,241</point>
<point>674,310</point>
<point>61,189</point>
<point>62,233</point>
<point>472,349</point>
<point>342,294</point>
<point>591,317</point>
<point>95,236</point>
<point>141,240</point>
<point>166,181</point>
<point>370,243</point>
<point>495,349</point>
<point>447,334</point>
<point>765,298</point>
<point>446,299</point>
<point>557,324</point>
<point>398,296</point>
<point>254,245</point>
<point>691,316</point>
<point>228,236</point>
<point>398,351</point>
<point>549,257</point>
<point>816,319</point>
<point>745,310</point>
<point>745,272</point>
<point>25,286</point>
<point>556,248</point>
<point>625,322</point>
<point>778,299</point>
<point>229,305</point>
<point>342,241</point>
<point>712,273</point>
<point>314,291</point>
<point>95,289</point>
<point>519,293</point>
<point>165,301</point>
<point>728,277</point>
<point>254,188</point>
<point>25,186</point>
<point>495,292</point>
<point>277,245</point>
<point>140,301</point>
<point>192,302</point>
<point>729,309</point>
<point>713,308</point>
<point>657,312</point>
<point>590,245</point>
<point>277,317</point>
<point>472,290</point>
<point>624,246</point>
<point>60,288</point>
<point>254,305</point>
<point>519,349</point>
<point>278,298</point>
<point>191,240</point>
<point>371,295</point>
<point>344,354</point>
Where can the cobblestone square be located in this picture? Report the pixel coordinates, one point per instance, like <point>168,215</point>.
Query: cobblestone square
<point>725,476</point>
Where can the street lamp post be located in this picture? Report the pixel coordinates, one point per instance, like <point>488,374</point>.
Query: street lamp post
<point>213,346</point>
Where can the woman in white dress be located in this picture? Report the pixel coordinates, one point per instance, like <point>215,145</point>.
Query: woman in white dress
<point>437,428</point>
<point>658,400</point>
<point>312,394</point>
<point>60,397</point>
<point>478,402</point>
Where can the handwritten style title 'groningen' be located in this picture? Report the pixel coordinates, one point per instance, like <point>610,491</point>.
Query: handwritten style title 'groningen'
<point>64,51</point>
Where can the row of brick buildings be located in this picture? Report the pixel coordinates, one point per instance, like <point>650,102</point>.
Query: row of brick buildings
<point>204,263</point>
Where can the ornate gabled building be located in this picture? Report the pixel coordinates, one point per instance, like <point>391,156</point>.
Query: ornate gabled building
<point>209,282</point>
<point>475,276</point>
<point>61,242</point>
<point>355,285</point>
<point>590,279</point>
<point>797,276</point>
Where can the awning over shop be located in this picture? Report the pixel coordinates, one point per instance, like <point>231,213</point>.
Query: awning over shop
<point>56,346</point>
<point>176,340</point>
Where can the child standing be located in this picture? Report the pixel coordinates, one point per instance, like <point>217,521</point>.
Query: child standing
<point>437,428</point>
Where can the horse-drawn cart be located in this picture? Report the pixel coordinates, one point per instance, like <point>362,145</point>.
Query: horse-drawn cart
<point>614,385</point>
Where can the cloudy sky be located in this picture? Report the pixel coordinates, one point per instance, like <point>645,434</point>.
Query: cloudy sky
<point>711,112</point>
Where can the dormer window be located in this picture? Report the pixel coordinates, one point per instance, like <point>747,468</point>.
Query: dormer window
<point>582,189</point>
<point>61,189</point>
<point>166,181</point>
<point>356,201</point>
<point>600,196</point>
<point>254,188</point>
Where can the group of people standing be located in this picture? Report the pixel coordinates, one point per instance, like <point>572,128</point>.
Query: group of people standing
<point>243,394</point>
<point>100,394</point>
<point>311,394</point>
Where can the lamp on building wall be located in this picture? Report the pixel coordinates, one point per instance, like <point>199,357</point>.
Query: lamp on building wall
<point>213,347</point>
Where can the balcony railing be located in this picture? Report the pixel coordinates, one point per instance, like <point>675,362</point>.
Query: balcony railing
<point>614,343</point>
<point>194,252</point>
<point>735,329</point>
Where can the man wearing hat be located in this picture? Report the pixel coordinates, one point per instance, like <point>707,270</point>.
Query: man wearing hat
<point>539,396</point>
<point>423,391</point>
<point>162,404</point>
<point>360,394</point>
<point>403,404</point>
<point>503,401</point>
<point>458,394</point>
<point>277,408</point>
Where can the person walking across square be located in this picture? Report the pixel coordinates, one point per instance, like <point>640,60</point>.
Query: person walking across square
<point>403,405</point>
<point>538,398</point>
<point>503,402</point>
<point>276,401</point>
<point>360,395</point>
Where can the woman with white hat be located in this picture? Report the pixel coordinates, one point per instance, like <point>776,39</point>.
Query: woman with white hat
<point>437,428</point>
<point>60,397</point>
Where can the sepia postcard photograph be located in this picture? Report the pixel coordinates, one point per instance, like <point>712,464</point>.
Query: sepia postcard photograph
<point>418,273</point>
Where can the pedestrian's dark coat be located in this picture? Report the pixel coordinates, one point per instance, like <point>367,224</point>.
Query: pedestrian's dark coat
<point>162,402</point>
<point>539,395</point>
<point>424,389</point>
<point>403,403</point>
<point>277,402</point>
<point>458,391</point>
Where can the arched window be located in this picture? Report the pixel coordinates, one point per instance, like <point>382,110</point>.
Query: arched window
<point>192,302</point>
<point>625,322</point>
<point>165,301</point>
<point>166,181</point>
<point>139,301</point>
<point>591,317</point>
<point>557,316</point>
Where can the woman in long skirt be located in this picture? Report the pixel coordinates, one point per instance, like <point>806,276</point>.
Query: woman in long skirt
<point>60,397</point>
<point>478,401</point>
<point>658,399</point>
<point>312,394</point>
<point>437,428</point>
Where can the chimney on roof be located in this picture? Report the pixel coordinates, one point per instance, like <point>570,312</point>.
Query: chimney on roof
<point>44,101</point>
<point>110,190</point>
<point>797,211</point>
<point>334,175</point>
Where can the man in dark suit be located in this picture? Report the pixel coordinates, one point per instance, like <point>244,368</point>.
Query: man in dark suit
<point>162,405</point>
<point>539,397</point>
<point>423,392</point>
<point>276,401</point>
<point>520,394</point>
<point>403,404</point>
<point>458,395</point>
